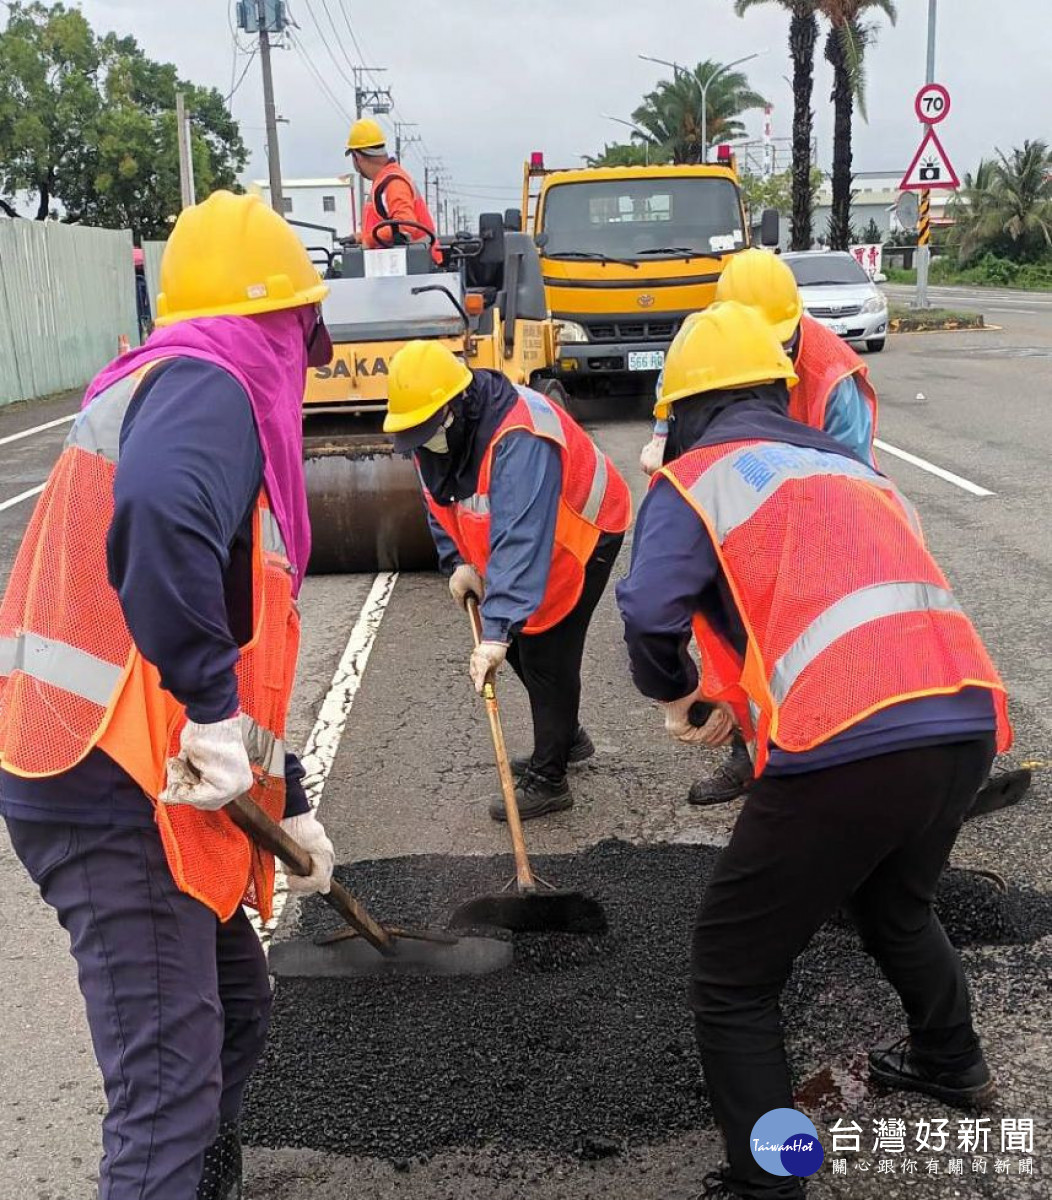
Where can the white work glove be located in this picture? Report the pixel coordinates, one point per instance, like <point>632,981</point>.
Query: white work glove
<point>465,581</point>
<point>653,454</point>
<point>212,766</point>
<point>309,832</point>
<point>716,730</point>
<point>485,659</point>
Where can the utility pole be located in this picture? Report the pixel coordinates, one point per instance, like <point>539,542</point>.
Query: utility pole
<point>403,143</point>
<point>186,162</point>
<point>264,17</point>
<point>376,100</point>
<point>924,228</point>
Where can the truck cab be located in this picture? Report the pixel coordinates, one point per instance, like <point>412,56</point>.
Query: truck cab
<point>626,254</point>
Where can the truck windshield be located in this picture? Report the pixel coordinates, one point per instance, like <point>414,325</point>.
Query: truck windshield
<point>630,218</point>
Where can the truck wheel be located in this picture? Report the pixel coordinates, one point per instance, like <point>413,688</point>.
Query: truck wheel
<point>555,392</point>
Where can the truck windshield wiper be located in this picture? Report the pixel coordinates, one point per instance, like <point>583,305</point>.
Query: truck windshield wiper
<point>675,250</point>
<point>592,254</point>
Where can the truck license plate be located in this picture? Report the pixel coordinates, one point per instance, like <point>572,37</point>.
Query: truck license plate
<point>646,360</point>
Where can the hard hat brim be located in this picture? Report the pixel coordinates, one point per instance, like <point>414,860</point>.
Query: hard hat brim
<point>401,422</point>
<point>784,330</point>
<point>408,440</point>
<point>745,379</point>
<point>249,308</point>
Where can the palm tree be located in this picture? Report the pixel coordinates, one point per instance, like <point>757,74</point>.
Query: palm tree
<point>803,34</point>
<point>845,50</point>
<point>1006,206</point>
<point>671,115</point>
<point>621,154</point>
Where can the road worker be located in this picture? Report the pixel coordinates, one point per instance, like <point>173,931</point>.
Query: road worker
<point>393,196</point>
<point>834,394</point>
<point>829,636</point>
<point>148,640</point>
<point>528,515</point>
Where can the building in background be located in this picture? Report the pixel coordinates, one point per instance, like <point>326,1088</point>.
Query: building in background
<point>874,195</point>
<point>328,203</point>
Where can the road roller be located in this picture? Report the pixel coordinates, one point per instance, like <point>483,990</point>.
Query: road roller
<point>482,295</point>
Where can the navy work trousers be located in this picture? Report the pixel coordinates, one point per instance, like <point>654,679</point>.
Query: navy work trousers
<point>177,1001</point>
<point>872,836</point>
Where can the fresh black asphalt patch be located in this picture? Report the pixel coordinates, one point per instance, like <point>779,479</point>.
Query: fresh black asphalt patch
<point>583,1046</point>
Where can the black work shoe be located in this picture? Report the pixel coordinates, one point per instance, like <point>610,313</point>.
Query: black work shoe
<point>730,781</point>
<point>716,1186</point>
<point>221,1174</point>
<point>581,750</point>
<point>1000,792</point>
<point>896,1067</point>
<point>536,796</point>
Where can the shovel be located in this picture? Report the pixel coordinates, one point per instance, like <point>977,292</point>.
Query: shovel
<point>522,907</point>
<point>366,947</point>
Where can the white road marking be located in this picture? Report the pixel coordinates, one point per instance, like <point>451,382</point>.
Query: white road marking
<point>6,504</point>
<point>1026,312</point>
<point>324,741</point>
<point>949,476</point>
<point>17,437</point>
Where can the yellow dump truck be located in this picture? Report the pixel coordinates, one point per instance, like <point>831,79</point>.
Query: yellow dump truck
<point>626,254</point>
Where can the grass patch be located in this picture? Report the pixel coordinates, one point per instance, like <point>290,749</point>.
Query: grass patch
<point>902,319</point>
<point>988,272</point>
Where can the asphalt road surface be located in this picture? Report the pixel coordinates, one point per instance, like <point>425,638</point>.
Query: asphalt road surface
<point>411,774</point>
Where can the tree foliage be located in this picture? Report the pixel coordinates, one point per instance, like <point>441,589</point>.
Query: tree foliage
<point>670,116</point>
<point>88,122</point>
<point>777,191</point>
<point>624,154</point>
<point>1005,208</point>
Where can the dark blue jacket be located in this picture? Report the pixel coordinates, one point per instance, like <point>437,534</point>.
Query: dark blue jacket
<point>675,573</point>
<point>179,554</point>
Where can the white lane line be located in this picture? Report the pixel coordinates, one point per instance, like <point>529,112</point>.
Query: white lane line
<point>1026,312</point>
<point>320,751</point>
<point>6,504</point>
<point>17,437</point>
<point>949,476</point>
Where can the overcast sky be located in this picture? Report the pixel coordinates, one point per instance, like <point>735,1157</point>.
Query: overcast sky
<point>488,81</point>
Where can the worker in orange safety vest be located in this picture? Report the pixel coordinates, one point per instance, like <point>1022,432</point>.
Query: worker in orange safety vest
<point>148,642</point>
<point>829,636</point>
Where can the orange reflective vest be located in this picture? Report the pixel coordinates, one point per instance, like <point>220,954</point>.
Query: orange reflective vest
<point>72,679</point>
<point>594,500</point>
<point>823,361</point>
<point>844,609</point>
<point>376,211</point>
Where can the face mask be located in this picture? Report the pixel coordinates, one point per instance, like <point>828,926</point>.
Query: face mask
<point>438,443</point>
<point>319,343</point>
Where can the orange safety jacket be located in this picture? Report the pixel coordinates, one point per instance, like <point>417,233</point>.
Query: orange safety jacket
<point>845,611</point>
<point>376,211</point>
<point>823,361</point>
<point>594,500</point>
<point>72,679</point>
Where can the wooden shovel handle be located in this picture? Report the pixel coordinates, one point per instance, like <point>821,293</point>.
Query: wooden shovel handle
<point>523,871</point>
<point>268,834</point>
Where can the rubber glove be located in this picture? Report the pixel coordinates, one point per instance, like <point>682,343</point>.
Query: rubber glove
<point>485,659</point>
<point>212,766</point>
<point>465,581</point>
<point>716,730</point>
<point>309,832</point>
<point>652,456</point>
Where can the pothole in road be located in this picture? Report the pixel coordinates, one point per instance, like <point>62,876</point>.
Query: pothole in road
<point>585,1045</point>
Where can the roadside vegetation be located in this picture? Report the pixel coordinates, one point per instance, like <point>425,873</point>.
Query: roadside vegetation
<point>902,319</point>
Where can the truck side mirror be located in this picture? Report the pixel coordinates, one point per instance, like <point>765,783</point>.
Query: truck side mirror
<point>513,220</point>
<point>769,227</point>
<point>540,241</point>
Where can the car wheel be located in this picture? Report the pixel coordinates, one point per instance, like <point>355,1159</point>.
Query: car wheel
<point>875,345</point>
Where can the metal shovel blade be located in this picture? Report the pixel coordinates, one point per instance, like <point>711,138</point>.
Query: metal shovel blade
<point>1000,791</point>
<point>354,957</point>
<point>533,912</point>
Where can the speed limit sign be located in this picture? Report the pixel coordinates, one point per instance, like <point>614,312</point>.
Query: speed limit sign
<point>932,103</point>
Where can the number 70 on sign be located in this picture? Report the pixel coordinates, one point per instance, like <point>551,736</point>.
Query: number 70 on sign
<point>932,104</point>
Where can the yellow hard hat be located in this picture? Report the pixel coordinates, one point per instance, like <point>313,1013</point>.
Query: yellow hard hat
<point>365,134</point>
<point>761,280</point>
<point>726,346</point>
<point>234,256</point>
<point>423,377</point>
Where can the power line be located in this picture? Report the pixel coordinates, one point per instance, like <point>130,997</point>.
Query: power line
<point>315,72</point>
<point>339,41</point>
<point>354,37</point>
<point>328,49</point>
<point>241,77</point>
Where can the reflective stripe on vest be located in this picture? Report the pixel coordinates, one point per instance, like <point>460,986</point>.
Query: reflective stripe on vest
<point>477,505</point>
<point>273,542</point>
<point>545,419</point>
<point>97,430</point>
<point>61,665</point>
<point>594,502</point>
<point>847,614</point>
<point>733,489</point>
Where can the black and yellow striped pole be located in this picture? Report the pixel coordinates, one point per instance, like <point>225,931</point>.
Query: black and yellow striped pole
<point>924,219</point>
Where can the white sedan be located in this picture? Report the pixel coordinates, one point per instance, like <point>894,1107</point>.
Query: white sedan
<point>838,292</point>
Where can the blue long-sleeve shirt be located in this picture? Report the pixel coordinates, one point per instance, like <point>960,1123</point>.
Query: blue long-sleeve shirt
<point>525,484</point>
<point>179,554</point>
<point>675,573</point>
